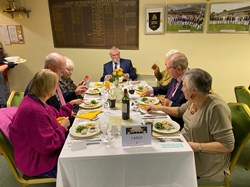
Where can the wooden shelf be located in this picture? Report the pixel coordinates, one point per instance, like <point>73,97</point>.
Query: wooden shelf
<point>23,11</point>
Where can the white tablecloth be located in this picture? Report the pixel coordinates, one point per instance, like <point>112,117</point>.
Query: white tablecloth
<point>161,164</point>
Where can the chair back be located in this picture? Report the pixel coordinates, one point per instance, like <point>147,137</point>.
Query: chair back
<point>15,98</point>
<point>242,95</point>
<point>241,127</point>
<point>6,149</point>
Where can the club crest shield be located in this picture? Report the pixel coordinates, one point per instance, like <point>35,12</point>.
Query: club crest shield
<point>154,20</point>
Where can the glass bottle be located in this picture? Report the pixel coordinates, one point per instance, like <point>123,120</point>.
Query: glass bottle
<point>125,105</point>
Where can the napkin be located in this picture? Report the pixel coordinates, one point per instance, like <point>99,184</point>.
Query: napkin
<point>98,84</point>
<point>90,115</point>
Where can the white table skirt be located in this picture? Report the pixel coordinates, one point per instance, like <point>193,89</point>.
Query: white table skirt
<point>161,164</point>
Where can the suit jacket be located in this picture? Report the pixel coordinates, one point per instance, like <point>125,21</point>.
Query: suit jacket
<point>177,100</point>
<point>125,64</point>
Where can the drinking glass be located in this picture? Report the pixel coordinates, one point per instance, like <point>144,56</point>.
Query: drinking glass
<point>104,125</point>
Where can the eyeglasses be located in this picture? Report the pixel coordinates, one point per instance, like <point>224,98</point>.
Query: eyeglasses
<point>170,67</point>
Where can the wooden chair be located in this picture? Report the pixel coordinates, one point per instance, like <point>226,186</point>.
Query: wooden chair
<point>15,98</point>
<point>241,128</point>
<point>242,95</point>
<point>6,149</point>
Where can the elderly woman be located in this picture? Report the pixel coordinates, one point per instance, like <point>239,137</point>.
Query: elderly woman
<point>207,125</point>
<point>67,85</point>
<point>36,134</point>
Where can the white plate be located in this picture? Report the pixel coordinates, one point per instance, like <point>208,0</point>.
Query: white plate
<point>140,88</point>
<point>174,127</point>
<point>148,100</point>
<point>73,132</point>
<point>15,59</point>
<point>87,104</point>
<point>93,91</point>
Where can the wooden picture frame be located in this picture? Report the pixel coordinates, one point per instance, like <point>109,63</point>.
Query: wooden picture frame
<point>154,19</point>
<point>186,17</point>
<point>229,17</point>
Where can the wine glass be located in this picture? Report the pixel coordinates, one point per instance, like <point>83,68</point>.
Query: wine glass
<point>104,125</point>
<point>131,91</point>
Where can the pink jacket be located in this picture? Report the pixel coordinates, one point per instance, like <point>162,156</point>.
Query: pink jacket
<point>36,136</point>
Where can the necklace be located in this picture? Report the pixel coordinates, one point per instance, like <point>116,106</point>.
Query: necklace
<point>193,109</point>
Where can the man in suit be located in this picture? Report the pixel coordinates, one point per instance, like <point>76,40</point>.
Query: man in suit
<point>117,62</point>
<point>176,65</point>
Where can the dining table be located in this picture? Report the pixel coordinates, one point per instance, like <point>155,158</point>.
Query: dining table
<point>168,161</point>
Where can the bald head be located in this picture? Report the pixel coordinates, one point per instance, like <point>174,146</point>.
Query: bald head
<point>56,63</point>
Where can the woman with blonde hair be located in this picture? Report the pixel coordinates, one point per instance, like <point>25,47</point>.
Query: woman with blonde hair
<point>36,134</point>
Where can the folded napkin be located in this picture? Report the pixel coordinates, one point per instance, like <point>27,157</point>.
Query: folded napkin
<point>138,92</point>
<point>89,116</point>
<point>98,84</point>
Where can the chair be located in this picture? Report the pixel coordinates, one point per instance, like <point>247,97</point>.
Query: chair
<point>242,95</point>
<point>15,98</point>
<point>241,128</point>
<point>6,149</point>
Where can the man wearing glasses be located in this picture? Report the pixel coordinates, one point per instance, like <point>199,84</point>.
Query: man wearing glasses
<point>176,65</point>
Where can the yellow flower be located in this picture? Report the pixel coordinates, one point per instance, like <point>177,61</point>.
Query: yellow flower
<point>120,73</point>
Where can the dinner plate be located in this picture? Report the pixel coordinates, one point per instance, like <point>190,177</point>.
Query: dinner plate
<point>140,88</point>
<point>173,126</point>
<point>93,91</point>
<point>90,104</point>
<point>89,133</point>
<point>15,59</point>
<point>148,100</point>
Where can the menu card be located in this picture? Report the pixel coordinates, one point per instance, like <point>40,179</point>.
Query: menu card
<point>136,135</point>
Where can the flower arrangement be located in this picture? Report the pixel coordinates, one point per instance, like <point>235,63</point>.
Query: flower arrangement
<point>117,73</point>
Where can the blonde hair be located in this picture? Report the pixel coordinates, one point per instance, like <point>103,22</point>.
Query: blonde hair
<point>43,83</point>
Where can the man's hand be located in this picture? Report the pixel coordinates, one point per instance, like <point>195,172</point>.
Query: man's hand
<point>125,76</point>
<point>146,92</point>
<point>107,77</point>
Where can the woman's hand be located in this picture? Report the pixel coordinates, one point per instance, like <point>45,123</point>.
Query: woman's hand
<point>164,101</point>
<point>65,123</point>
<point>76,102</point>
<point>81,90</point>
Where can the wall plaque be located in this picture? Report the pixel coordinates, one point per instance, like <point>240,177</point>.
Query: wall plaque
<point>95,23</point>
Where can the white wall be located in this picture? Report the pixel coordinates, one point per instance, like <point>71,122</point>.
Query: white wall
<point>225,56</point>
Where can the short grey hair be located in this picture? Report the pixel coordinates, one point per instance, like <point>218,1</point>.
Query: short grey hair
<point>179,59</point>
<point>171,52</point>
<point>69,63</point>
<point>114,48</point>
<point>198,78</point>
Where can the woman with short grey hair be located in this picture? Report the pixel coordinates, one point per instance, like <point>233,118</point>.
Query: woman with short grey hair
<point>207,125</point>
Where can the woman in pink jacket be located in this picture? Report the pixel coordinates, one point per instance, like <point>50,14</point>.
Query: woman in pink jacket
<point>36,135</point>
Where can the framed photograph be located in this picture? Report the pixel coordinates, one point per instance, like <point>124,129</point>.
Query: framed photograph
<point>229,17</point>
<point>186,17</point>
<point>154,19</point>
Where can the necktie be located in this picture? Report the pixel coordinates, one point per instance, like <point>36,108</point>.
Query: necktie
<point>115,65</point>
<point>173,88</point>
<point>60,96</point>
